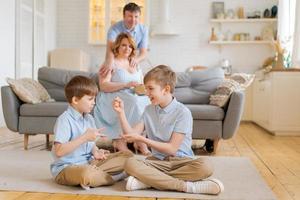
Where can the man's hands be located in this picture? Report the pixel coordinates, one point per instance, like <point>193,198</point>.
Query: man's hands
<point>118,105</point>
<point>107,66</point>
<point>105,69</point>
<point>100,154</point>
<point>91,134</point>
<point>133,62</point>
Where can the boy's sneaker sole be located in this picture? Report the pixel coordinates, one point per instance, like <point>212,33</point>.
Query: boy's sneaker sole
<point>219,183</point>
<point>135,184</point>
<point>85,187</point>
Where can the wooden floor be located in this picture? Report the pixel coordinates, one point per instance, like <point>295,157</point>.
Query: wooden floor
<point>276,158</point>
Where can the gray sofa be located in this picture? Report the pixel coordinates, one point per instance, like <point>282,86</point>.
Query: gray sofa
<point>193,89</point>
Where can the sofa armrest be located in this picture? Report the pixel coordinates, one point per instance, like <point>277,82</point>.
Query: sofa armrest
<point>233,114</point>
<point>11,108</point>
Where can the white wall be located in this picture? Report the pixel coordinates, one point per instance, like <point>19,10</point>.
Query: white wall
<point>7,39</point>
<point>191,18</point>
<point>7,47</point>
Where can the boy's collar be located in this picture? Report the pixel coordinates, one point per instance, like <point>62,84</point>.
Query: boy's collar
<point>169,107</point>
<point>74,113</point>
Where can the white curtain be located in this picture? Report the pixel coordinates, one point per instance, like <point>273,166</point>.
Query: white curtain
<point>296,46</point>
<point>286,25</point>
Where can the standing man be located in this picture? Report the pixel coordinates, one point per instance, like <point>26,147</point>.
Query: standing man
<point>130,24</point>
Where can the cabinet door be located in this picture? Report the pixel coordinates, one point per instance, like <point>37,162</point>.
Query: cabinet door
<point>104,13</point>
<point>97,21</point>
<point>262,102</point>
<point>286,101</point>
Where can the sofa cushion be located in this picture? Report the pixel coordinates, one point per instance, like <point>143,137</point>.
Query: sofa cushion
<point>60,76</point>
<point>51,109</point>
<point>58,94</point>
<point>187,95</point>
<point>183,79</point>
<point>206,112</point>
<point>206,80</point>
<point>54,80</point>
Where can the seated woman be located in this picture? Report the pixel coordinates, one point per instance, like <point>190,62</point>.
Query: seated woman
<point>121,82</point>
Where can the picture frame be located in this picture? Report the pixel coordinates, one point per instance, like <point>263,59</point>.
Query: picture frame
<point>217,8</point>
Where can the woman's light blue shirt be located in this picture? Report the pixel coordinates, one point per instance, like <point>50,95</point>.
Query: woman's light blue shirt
<point>134,105</point>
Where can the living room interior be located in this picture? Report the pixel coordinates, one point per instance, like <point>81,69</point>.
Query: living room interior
<point>258,37</point>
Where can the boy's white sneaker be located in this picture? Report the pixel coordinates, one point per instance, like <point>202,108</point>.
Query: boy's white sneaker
<point>135,184</point>
<point>207,186</point>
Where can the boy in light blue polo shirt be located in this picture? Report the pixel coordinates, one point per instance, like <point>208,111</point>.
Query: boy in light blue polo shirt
<point>168,125</point>
<point>78,161</point>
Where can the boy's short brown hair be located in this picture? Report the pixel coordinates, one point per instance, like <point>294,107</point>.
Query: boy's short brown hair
<point>79,86</point>
<point>162,75</point>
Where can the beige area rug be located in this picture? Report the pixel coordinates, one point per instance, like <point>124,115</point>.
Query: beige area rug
<point>29,171</point>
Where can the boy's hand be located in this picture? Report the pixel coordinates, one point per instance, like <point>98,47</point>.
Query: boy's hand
<point>101,154</point>
<point>132,138</point>
<point>91,134</point>
<point>118,105</point>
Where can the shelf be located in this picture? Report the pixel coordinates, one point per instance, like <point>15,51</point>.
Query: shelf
<point>239,42</point>
<point>162,33</point>
<point>255,20</point>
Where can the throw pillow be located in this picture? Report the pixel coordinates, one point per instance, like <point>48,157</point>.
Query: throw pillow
<point>236,82</point>
<point>29,91</point>
<point>243,79</point>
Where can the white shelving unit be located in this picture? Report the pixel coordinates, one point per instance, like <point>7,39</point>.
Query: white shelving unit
<point>256,20</point>
<point>239,42</point>
<point>220,22</point>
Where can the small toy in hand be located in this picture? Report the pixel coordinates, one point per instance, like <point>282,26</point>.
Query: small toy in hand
<point>140,89</point>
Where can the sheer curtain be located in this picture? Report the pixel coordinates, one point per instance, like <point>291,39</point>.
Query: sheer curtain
<point>286,25</point>
<point>296,46</point>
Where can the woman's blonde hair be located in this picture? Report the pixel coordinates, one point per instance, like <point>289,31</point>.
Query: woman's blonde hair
<point>163,76</point>
<point>118,41</point>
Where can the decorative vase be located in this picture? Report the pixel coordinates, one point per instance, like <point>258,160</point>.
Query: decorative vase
<point>278,64</point>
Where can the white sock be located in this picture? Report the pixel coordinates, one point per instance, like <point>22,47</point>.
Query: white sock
<point>189,187</point>
<point>119,176</point>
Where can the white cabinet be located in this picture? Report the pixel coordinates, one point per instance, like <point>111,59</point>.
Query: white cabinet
<point>104,13</point>
<point>276,103</point>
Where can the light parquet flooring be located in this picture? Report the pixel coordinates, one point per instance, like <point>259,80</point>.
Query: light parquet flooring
<point>276,158</point>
